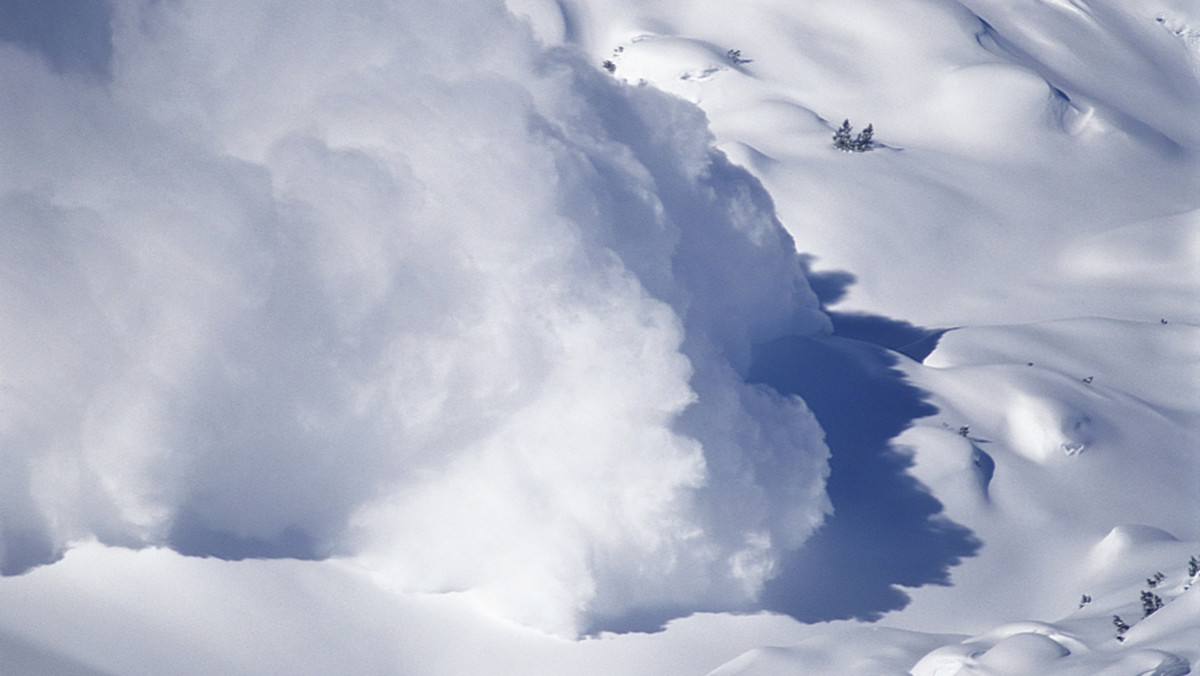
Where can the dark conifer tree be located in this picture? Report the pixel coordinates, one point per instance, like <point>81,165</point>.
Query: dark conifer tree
<point>1121,627</point>
<point>1150,603</point>
<point>842,139</point>
<point>865,140</point>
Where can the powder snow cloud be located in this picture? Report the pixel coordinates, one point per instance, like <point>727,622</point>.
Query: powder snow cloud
<point>394,283</point>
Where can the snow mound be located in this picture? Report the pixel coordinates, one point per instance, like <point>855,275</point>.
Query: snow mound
<point>860,650</point>
<point>979,106</point>
<point>1124,547</point>
<point>1122,538</point>
<point>1019,650</point>
<point>665,59</point>
<point>1022,653</point>
<point>1040,415</point>
<point>1009,651</point>
<point>1043,427</point>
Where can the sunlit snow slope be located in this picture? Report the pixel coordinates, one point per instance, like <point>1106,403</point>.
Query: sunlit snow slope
<point>1034,190</point>
<point>401,338</point>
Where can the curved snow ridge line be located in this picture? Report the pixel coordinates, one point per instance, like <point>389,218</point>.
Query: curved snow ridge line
<point>1069,114</point>
<point>1075,7</point>
<point>1172,665</point>
<point>854,649</point>
<point>1069,43</point>
<point>1102,349</point>
<point>1121,539</point>
<point>1069,641</point>
<point>1155,663</point>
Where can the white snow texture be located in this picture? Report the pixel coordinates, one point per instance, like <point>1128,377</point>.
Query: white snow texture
<point>308,281</point>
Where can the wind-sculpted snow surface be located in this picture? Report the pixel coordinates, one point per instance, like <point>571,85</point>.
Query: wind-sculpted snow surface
<point>1109,54</point>
<point>296,281</point>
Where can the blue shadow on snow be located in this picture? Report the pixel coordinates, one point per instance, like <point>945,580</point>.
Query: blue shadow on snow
<point>886,531</point>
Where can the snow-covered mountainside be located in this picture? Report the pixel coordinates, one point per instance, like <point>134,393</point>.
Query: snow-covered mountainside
<point>556,336</point>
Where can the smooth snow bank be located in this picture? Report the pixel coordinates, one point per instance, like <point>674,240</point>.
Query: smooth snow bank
<point>1081,643</point>
<point>1164,643</point>
<point>1047,437</point>
<point>1157,362</point>
<point>1065,453</point>
<point>870,651</point>
<point>115,611</point>
<point>302,281</point>
<point>1039,159</point>
<point>1010,651</point>
<point>1149,263</point>
<point>1026,648</point>
<point>1112,54</point>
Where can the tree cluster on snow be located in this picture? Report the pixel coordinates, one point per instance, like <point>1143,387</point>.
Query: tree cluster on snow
<point>864,141</point>
<point>1150,601</point>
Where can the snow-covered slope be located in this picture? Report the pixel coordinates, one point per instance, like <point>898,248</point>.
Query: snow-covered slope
<point>410,339</point>
<point>1035,191</point>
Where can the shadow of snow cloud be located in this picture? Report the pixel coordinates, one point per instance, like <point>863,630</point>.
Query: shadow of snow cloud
<point>886,530</point>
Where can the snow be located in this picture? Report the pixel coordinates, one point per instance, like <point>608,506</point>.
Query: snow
<point>409,339</point>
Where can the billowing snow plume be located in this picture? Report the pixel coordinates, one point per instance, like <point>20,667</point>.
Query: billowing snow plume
<point>304,281</point>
